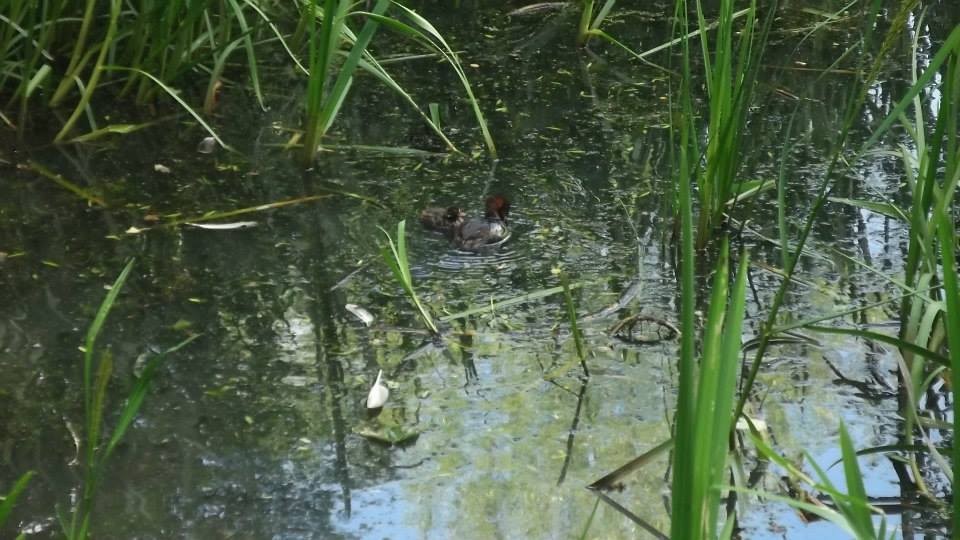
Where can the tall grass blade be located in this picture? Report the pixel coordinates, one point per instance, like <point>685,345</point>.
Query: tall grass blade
<point>395,255</point>
<point>10,499</point>
<point>427,34</point>
<point>681,485</point>
<point>251,54</point>
<point>91,85</point>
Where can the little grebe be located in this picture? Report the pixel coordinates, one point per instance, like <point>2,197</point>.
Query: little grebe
<point>443,220</point>
<point>474,234</point>
<point>470,234</point>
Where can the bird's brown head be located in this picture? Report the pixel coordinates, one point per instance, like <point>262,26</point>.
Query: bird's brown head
<point>498,207</point>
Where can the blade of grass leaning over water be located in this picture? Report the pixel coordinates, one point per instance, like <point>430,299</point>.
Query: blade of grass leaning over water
<point>395,255</point>
<point>173,94</point>
<point>427,34</point>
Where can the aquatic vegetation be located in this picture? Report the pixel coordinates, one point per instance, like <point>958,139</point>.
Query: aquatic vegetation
<point>395,255</point>
<point>151,49</point>
<point>589,25</point>
<point>705,402</point>
<point>707,389</point>
<point>8,501</point>
<point>490,410</point>
<point>98,443</point>
<point>730,75</point>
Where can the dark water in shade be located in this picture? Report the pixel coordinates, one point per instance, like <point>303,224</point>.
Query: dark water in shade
<point>251,431</point>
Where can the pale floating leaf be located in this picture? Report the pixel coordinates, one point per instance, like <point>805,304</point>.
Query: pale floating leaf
<point>360,313</point>
<point>224,226</point>
<point>207,145</point>
<point>378,394</point>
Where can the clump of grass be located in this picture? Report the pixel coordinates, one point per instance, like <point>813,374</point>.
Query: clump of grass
<point>98,443</point>
<point>930,316</point>
<point>148,48</point>
<point>395,255</point>
<point>730,74</point>
<point>323,100</point>
<point>705,401</point>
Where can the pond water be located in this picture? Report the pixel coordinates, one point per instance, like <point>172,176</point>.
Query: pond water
<point>253,430</point>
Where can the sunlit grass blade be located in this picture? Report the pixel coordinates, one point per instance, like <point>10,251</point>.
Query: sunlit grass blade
<point>395,255</point>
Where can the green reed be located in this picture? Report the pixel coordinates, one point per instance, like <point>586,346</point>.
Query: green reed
<point>98,443</point>
<point>706,393</point>
<point>707,381</point>
<point>929,316</point>
<point>324,98</point>
<point>8,501</point>
<point>395,255</point>
<point>590,21</point>
<point>146,48</point>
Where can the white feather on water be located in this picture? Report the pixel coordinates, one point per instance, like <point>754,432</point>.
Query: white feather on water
<point>378,393</point>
